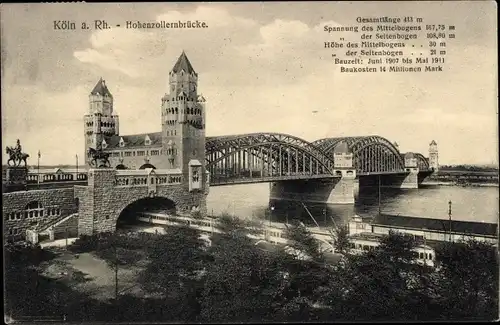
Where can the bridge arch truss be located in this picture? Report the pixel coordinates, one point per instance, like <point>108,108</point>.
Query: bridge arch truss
<point>422,162</point>
<point>264,157</point>
<point>371,154</point>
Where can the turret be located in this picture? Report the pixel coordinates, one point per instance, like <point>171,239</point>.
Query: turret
<point>183,120</point>
<point>99,122</point>
<point>433,156</point>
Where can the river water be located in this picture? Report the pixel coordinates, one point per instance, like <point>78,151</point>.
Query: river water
<point>431,201</point>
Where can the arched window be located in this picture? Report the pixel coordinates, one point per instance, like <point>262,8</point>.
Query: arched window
<point>33,210</point>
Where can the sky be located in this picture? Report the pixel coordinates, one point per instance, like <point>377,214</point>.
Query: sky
<point>262,68</point>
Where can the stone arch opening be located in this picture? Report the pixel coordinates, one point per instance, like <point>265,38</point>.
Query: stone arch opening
<point>121,166</point>
<point>129,215</point>
<point>147,166</point>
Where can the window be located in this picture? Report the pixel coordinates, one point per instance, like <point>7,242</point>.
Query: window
<point>128,153</point>
<point>155,152</point>
<point>33,210</point>
<point>140,153</point>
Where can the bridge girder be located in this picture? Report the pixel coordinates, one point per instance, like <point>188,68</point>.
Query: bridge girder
<point>370,153</point>
<point>267,153</point>
<point>422,162</point>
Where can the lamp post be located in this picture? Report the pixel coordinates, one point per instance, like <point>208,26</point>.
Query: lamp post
<point>38,169</point>
<point>379,194</point>
<point>270,214</point>
<point>449,216</point>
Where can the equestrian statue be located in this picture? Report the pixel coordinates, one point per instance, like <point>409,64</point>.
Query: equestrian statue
<point>16,156</point>
<point>99,158</point>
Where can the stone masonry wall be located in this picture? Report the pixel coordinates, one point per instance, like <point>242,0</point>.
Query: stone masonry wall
<point>14,208</point>
<point>330,190</point>
<point>101,203</point>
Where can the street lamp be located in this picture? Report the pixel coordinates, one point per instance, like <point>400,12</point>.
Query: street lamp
<point>270,214</point>
<point>449,215</point>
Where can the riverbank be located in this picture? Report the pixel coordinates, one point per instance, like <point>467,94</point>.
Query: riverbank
<point>459,185</point>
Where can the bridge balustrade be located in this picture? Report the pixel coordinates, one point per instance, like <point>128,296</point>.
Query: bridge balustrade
<point>55,177</point>
<point>138,178</point>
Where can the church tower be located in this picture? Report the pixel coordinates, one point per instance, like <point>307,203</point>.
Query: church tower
<point>183,121</point>
<point>100,121</point>
<point>433,156</point>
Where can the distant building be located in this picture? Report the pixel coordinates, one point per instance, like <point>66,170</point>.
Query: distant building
<point>180,144</point>
<point>433,156</point>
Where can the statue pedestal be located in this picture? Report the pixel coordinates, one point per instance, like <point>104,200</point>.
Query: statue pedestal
<point>15,179</point>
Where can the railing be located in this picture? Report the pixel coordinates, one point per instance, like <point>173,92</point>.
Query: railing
<point>44,177</point>
<point>237,179</point>
<point>139,178</point>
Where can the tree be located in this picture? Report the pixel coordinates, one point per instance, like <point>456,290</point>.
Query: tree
<point>398,248</point>
<point>341,239</point>
<point>243,283</point>
<point>115,250</point>
<point>31,294</point>
<point>177,270</point>
<point>236,227</point>
<point>382,284</point>
<point>468,280</point>
<point>303,242</point>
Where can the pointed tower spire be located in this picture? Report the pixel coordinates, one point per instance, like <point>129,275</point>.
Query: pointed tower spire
<point>183,64</point>
<point>101,88</point>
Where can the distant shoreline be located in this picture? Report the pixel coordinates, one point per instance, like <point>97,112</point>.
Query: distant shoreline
<point>459,185</point>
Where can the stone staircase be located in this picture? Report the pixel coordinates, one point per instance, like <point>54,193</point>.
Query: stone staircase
<point>44,225</point>
<point>54,229</point>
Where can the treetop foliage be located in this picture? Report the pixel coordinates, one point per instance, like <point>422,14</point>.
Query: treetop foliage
<point>235,280</point>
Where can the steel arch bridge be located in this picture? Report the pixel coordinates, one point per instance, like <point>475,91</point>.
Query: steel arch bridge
<point>422,162</point>
<point>264,157</point>
<point>371,154</point>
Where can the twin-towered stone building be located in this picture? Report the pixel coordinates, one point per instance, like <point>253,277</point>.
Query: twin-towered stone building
<point>169,164</point>
<point>180,143</point>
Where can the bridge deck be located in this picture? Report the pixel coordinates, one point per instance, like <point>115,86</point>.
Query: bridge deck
<point>266,179</point>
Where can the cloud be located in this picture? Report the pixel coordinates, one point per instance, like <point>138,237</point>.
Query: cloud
<point>257,77</point>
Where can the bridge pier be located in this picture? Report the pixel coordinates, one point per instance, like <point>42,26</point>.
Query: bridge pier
<point>407,179</point>
<point>95,206</point>
<point>338,190</point>
<point>411,179</point>
<point>15,179</point>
